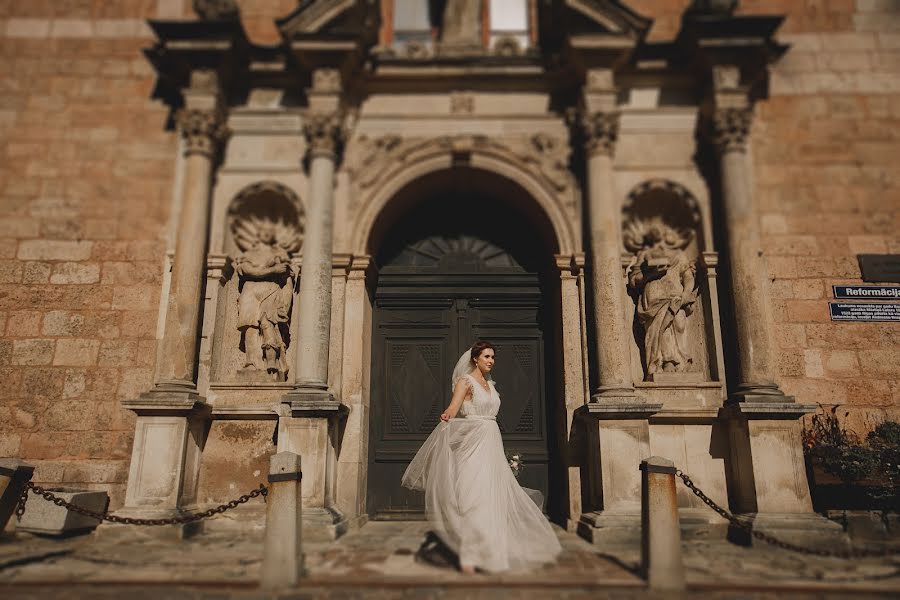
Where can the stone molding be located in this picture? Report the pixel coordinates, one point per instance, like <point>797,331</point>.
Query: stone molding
<point>377,166</point>
<point>369,158</point>
<point>203,131</point>
<point>324,134</point>
<point>731,129</point>
<point>601,131</point>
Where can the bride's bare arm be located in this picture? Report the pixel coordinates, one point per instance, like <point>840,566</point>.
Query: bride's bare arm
<point>459,394</point>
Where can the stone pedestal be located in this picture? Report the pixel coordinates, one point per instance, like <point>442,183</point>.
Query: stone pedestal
<point>310,427</point>
<point>165,459</point>
<point>768,473</point>
<point>624,435</point>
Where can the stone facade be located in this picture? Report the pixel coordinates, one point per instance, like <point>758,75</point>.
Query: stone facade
<point>124,327</point>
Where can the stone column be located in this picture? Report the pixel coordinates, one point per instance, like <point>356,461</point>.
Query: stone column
<point>623,428</point>
<point>170,424</point>
<point>767,475</point>
<point>750,295</point>
<point>573,384</point>
<point>176,362</point>
<point>604,207</point>
<point>310,417</point>
<point>323,132</point>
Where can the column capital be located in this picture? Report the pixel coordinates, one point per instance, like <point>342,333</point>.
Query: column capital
<point>730,128</point>
<point>324,133</point>
<point>203,130</point>
<point>601,131</point>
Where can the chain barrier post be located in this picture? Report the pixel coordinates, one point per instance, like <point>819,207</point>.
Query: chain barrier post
<point>14,477</point>
<point>283,552</point>
<point>661,559</point>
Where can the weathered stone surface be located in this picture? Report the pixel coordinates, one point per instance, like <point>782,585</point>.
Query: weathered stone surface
<point>47,518</point>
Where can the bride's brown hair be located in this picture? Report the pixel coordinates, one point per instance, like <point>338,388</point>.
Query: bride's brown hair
<point>479,347</point>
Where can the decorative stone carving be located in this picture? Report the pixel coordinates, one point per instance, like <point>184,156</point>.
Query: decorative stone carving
<point>462,103</point>
<point>216,10</point>
<point>507,46</point>
<point>324,133</point>
<point>731,128</point>
<point>417,50</point>
<point>664,280</point>
<point>368,158</point>
<point>601,130</point>
<point>268,232</point>
<point>552,155</point>
<point>202,130</point>
<point>669,188</point>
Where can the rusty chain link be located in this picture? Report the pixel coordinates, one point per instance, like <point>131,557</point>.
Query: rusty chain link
<point>262,490</point>
<point>748,528</point>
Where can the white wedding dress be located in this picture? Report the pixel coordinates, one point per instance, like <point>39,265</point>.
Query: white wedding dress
<point>472,499</point>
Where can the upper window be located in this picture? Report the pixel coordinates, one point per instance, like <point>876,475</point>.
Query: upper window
<point>419,21</point>
<point>508,19</point>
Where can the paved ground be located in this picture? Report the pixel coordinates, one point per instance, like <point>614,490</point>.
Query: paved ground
<point>380,561</point>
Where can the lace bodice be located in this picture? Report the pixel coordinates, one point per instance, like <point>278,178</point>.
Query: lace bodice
<point>483,402</point>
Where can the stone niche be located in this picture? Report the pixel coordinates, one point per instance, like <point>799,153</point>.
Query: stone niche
<point>252,345</point>
<point>670,279</point>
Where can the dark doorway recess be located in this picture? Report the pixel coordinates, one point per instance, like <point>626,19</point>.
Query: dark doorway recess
<point>454,269</point>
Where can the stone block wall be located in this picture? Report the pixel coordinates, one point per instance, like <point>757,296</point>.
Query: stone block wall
<point>828,186</point>
<point>85,191</point>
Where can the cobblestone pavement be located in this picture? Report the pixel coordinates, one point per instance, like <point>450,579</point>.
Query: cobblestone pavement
<point>379,561</point>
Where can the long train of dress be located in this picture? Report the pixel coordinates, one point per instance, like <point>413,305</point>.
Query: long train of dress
<point>472,499</point>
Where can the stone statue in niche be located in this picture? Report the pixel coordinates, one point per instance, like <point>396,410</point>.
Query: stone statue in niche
<point>266,289</point>
<point>664,280</point>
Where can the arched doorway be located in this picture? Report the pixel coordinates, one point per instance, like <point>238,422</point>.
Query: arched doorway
<point>460,259</point>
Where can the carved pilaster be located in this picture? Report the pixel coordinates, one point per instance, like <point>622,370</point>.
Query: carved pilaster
<point>324,134</point>
<point>601,130</point>
<point>731,129</point>
<point>204,131</point>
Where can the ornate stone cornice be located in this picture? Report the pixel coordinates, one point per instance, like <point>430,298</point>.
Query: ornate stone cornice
<point>203,131</point>
<point>730,129</point>
<point>601,130</point>
<point>324,134</point>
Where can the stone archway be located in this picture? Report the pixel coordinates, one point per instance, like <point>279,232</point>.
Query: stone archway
<point>463,254</point>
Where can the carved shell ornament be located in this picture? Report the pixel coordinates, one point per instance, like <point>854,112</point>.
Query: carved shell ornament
<point>249,231</point>
<point>643,233</point>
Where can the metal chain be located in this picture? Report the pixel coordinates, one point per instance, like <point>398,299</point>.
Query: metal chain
<point>747,527</point>
<point>262,490</point>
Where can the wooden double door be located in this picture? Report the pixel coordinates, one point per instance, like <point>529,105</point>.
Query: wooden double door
<point>422,324</point>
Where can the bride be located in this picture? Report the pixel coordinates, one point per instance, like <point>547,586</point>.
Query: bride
<point>472,498</point>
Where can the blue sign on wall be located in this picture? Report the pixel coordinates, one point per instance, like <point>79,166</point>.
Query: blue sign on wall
<point>864,311</point>
<point>866,292</point>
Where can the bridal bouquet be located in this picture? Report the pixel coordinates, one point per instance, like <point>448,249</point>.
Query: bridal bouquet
<point>515,463</point>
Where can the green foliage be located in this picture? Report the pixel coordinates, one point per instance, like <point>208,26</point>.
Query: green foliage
<point>841,452</point>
